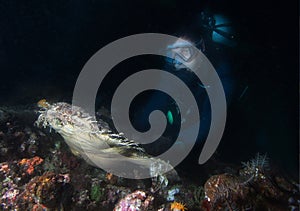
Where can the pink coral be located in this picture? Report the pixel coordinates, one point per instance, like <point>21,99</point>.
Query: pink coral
<point>135,201</point>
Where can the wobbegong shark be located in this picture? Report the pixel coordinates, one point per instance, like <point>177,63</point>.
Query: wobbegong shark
<point>96,143</point>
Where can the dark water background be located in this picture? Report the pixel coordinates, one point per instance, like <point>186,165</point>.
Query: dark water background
<point>44,45</point>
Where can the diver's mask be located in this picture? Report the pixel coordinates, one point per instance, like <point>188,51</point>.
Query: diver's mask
<point>181,53</point>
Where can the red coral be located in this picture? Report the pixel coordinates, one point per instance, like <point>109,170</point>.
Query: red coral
<point>31,163</point>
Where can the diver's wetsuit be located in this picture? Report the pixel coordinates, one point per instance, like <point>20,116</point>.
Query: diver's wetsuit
<point>165,103</point>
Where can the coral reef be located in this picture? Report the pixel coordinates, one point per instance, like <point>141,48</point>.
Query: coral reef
<point>135,201</point>
<point>44,191</point>
<point>254,188</point>
<point>38,171</point>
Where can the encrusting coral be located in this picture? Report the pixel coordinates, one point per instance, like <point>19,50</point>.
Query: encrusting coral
<point>39,172</point>
<point>253,188</point>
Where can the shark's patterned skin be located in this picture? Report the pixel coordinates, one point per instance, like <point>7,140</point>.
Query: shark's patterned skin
<point>89,138</point>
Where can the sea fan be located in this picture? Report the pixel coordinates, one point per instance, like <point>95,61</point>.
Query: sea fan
<point>260,162</point>
<point>255,168</point>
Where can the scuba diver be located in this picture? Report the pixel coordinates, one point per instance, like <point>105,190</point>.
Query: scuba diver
<point>198,35</point>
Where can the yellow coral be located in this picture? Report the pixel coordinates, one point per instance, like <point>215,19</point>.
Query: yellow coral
<point>177,206</point>
<point>43,103</point>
